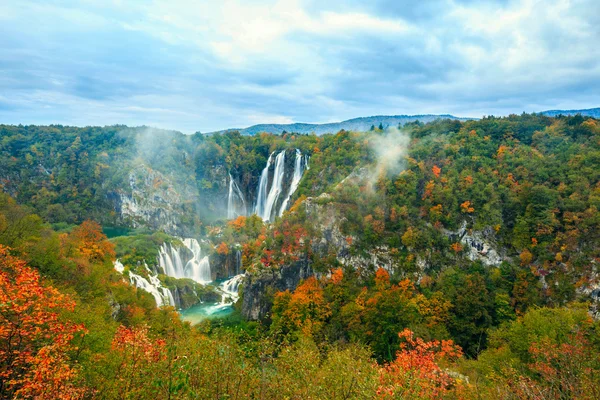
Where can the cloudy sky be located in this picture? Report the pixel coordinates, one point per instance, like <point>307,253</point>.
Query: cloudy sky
<point>208,65</point>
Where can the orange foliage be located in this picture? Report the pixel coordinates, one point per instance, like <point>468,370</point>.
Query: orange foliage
<point>436,171</point>
<point>223,249</point>
<point>305,309</point>
<point>469,180</point>
<point>382,278</point>
<point>466,207</point>
<point>88,241</point>
<point>136,346</point>
<point>501,150</point>
<point>336,276</point>
<point>428,190</point>
<point>34,343</point>
<point>135,352</point>
<point>416,373</point>
<point>456,247</point>
<point>238,224</point>
<point>297,204</point>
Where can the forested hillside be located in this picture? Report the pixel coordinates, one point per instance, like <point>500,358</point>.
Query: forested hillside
<point>453,259</point>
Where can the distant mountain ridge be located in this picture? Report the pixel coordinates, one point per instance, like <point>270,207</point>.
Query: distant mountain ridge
<point>365,123</point>
<point>589,112</point>
<point>355,124</point>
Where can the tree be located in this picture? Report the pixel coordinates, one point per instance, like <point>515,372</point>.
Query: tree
<point>35,344</point>
<point>416,372</point>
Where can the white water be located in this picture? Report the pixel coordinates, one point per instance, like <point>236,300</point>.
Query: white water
<point>266,200</point>
<point>236,205</point>
<point>298,172</point>
<point>176,262</point>
<point>152,285</point>
<point>261,197</point>
<point>119,266</point>
<point>230,289</point>
<point>276,186</point>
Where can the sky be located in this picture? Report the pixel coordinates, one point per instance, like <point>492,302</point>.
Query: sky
<point>210,65</point>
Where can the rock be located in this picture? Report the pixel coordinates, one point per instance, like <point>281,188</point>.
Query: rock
<point>478,245</point>
<point>259,287</point>
<point>153,201</point>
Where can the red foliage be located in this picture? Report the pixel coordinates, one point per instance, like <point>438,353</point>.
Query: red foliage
<point>34,342</point>
<point>416,372</point>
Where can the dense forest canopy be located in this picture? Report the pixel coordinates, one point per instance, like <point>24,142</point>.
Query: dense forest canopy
<point>453,259</point>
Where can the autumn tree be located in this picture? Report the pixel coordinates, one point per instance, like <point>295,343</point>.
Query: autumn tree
<point>304,310</point>
<point>88,242</point>
<point>417,372</point>
<point>35,343</point>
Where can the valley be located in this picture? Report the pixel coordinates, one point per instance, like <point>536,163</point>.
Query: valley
<point>459,232</point>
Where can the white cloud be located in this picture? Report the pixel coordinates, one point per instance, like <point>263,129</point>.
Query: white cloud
<point>268,119</point>
<point>209,65</point>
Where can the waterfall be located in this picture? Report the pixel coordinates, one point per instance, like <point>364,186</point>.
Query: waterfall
<point>230,289</point>
<point>261,197</point>
<point>235,207</point>
<point>171,258</point>
<point>298,171</point>
<point>238,261</point>
<point>268,197</point>
<point>265,202</point>
<point>152,285</point>
<point>119,266</point>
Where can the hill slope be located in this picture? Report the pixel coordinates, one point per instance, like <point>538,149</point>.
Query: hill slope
<point>590,112</point>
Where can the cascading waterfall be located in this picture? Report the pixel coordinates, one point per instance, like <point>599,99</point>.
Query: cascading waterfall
<point>261,197</point>
<point>230,289</point>
<point>236,205</point>
<point>276,186</point>
<point>152,285</point>
<point>267,198</point>
<point>171,258</point>
<point>298,172</point>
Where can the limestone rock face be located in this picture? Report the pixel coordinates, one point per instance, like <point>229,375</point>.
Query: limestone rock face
<point>152,200</point>
<point>478,245</point>
<point>226,266</point>
<point>260,287</point>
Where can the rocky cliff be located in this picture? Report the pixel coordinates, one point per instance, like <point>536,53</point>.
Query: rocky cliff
<point>153,201</point>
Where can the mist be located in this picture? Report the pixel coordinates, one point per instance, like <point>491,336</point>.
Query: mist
<point>390,149</point>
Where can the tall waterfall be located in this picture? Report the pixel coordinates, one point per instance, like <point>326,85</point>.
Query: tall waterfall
<point>268,197</point>
<point>276,186</point>
<point>261,197</point>
<point>171,259</point>
<point>152,285</point>
<point>236,205</point>
<point>299,166</point>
